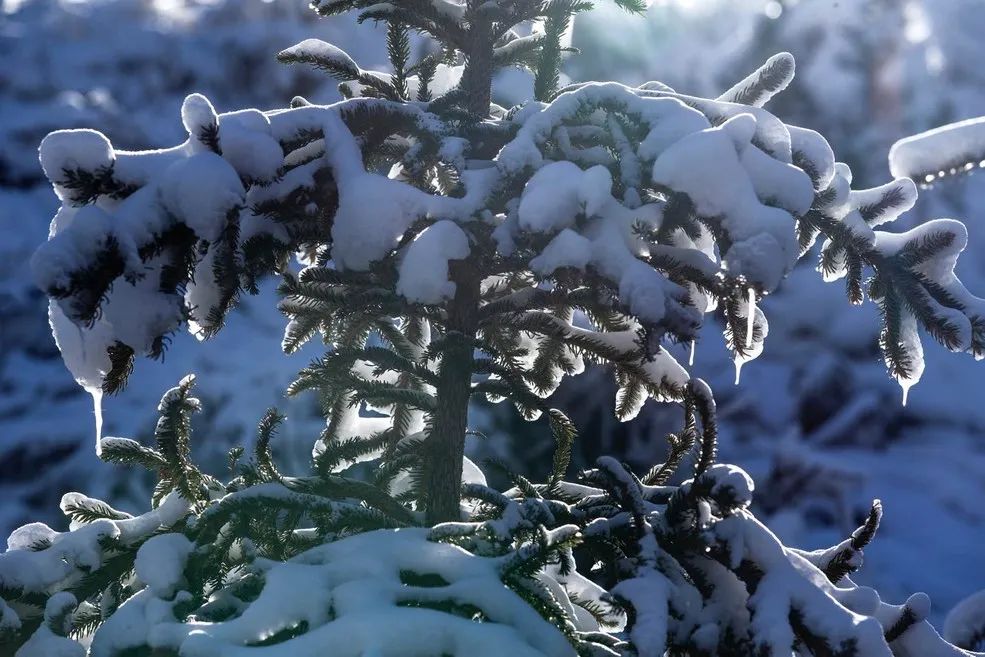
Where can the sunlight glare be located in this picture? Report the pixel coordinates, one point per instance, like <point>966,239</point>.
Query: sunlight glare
<point>917,27</point>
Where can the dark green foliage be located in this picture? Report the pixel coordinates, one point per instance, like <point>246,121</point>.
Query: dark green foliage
<point>398,49</point>
<point>548,69</point>
<point>121,358</point>
<point>129,452</point>
<point>86,510</point>
<point>88,286</point>
<point>565,433</point>
<point>900,287</point>
<point>344,70</point>
<point>173,438</point>
<point>263,459</point>
<point>841,563</point>
<point>771,78</point>
<point>85,187</point>
<point>425,71</point>
<point>225,271</point>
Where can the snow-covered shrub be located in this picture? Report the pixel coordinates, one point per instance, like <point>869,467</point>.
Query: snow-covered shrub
<point>454,248</point>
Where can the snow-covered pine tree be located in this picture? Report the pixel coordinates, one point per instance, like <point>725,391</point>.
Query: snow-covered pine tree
<point>454,248</point>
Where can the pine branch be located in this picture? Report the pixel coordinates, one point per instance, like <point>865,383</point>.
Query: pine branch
<point>565,433</point>
<point>172,435</point>
<point>548,71</point>
<point>121,357</point>
<point>339,65</point>
<point>398,49</point>
<point>848,559</point>
<point>85,510</point>
<point>759,87</point>
<point>264,459</point>
<point>129,452</point>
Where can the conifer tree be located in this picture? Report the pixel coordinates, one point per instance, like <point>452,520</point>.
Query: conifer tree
<point>453,248</point>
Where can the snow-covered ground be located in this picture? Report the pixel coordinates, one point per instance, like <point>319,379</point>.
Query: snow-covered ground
<point>815,420</point>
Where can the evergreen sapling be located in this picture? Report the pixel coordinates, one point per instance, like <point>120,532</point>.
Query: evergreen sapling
<point>452,248</point>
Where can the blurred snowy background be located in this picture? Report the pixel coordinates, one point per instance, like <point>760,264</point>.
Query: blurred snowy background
<point>815,420</point>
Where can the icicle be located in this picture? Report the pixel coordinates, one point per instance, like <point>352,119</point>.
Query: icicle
<point>905,385</point>
<point>690,360</point>
<point>738,368</point>
<point>750,320</point>
<point>97,407</point>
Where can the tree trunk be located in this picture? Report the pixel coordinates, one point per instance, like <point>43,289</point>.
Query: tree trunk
<point>477,76</point>
<point>444,447</point>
